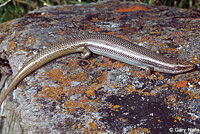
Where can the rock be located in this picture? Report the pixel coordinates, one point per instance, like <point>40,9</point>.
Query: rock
<point>69,95</point>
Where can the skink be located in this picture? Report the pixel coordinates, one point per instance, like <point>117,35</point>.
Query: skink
<point>106,45</point>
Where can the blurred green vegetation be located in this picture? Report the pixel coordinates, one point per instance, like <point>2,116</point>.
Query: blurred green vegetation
<point>11,9</point>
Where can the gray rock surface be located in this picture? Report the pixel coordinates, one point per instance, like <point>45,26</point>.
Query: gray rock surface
<point>69,95</point>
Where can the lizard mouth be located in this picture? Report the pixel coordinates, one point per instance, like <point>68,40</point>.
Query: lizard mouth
<point>185,68</point>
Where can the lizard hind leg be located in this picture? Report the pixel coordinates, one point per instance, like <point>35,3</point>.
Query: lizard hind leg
<point>86,53</point>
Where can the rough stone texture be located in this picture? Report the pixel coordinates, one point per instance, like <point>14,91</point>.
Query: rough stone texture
<point>69,95</point>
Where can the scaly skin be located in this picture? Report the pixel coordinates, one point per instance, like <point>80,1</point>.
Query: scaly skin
<point>106,45</point>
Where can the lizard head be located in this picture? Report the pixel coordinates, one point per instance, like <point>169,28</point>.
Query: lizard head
<point>181,66</point>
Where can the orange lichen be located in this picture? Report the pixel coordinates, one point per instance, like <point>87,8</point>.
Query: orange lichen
<point>102,65</point>
<point>52,93</point>
<point>95,19</point>
<point>195,80</point>
<point>178,117</point>
<point>165,85</point>
<point>118,64</point>
<point>21,86</point>
<point>79,125</point>
<point>132,90</point>
<point>85,131</point>
<point>111,33</point>
<point>28,40</point>
<point>98,29</point>
<point>172,98</point>
<point>132,8</point>
<point>47,43</point>
<point>145,93</point>
<point>193,117</point>
<point>141,91</point>
<point>92,126</point>
<point>140,74</point>
<point>117,18</point>
<point>161,77</point>
<point>57,75</point>
<point>90,92</point>
<point>181,84</point>
<point>83,99</point>
<point>122,119</point>
<point>115,107</point>
<point>140,130</point>
<point>73,126</point>
<point>115,65</point>
<point>11,46</point>
<point>73,104</point>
